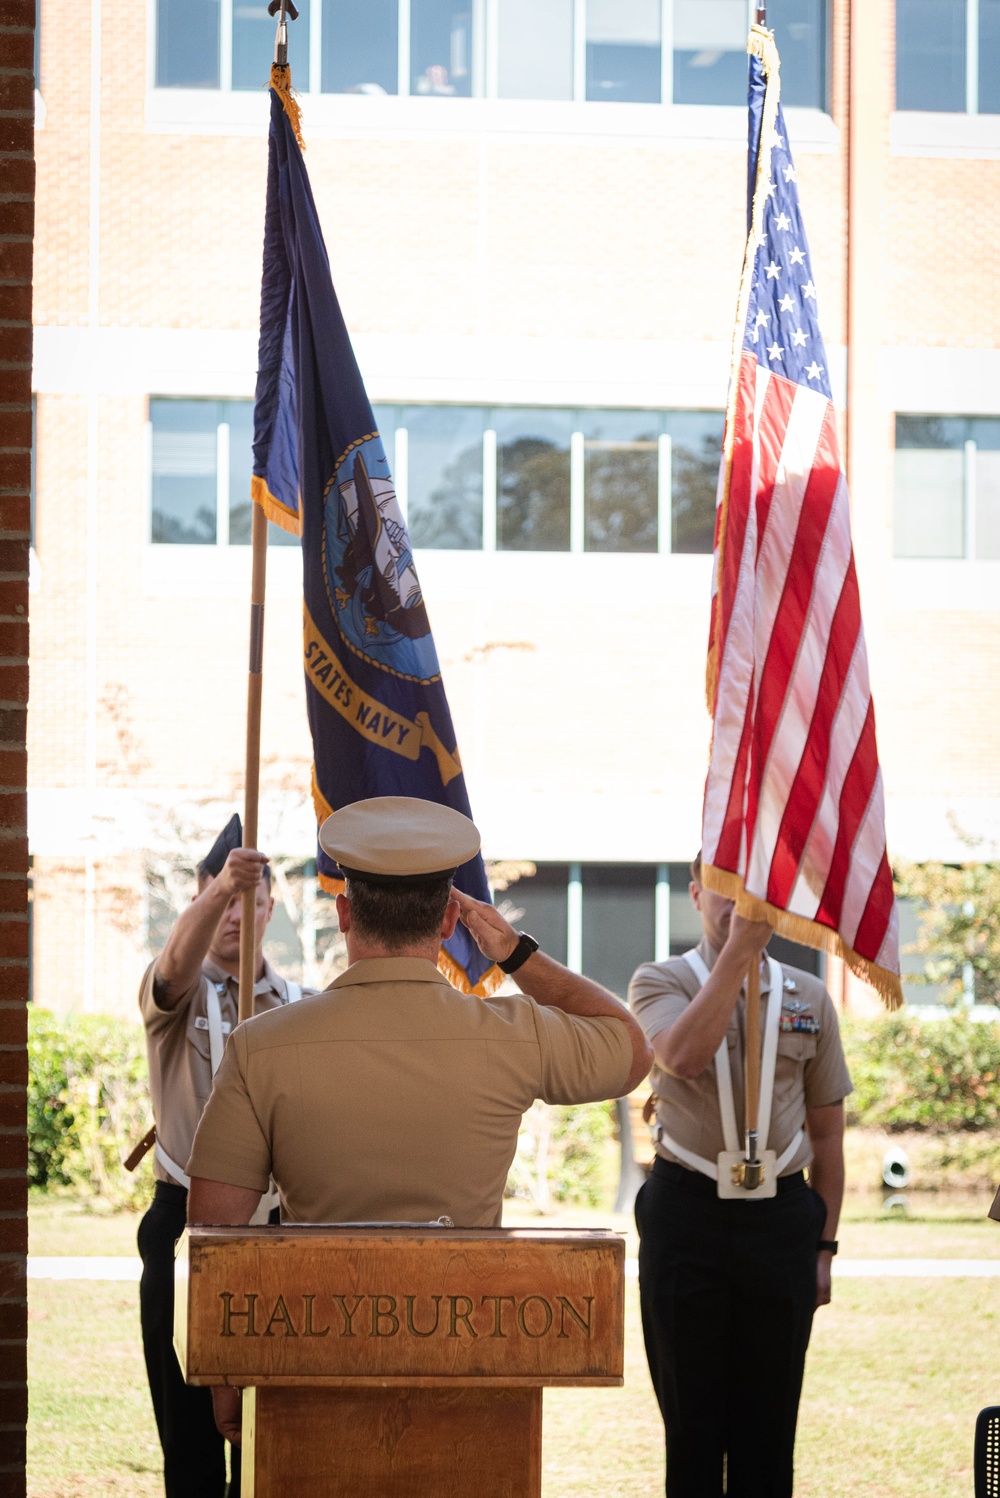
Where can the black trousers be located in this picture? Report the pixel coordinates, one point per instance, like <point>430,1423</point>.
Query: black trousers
<point>194,1453</point>
<point>727,1290</point>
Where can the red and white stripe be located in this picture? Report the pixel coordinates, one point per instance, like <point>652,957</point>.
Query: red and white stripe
<point>793,802</point>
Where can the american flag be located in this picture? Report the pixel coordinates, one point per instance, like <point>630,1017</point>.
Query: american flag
<point>794,817</point>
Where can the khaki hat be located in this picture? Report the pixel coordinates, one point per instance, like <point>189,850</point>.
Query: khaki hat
<point>398,837</point>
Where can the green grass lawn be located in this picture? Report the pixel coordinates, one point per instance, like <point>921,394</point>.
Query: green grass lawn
<point>897,1372</point>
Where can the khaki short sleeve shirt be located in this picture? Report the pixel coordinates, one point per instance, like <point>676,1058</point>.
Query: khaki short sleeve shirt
<point>393,1097</point>
<point>180,1057</point>
<point>811,1071</point>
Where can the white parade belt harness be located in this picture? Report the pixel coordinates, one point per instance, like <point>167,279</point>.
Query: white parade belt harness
<point>216,1045</point>
<point>725,1168</point>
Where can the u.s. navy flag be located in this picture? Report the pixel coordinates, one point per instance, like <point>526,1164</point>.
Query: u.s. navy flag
<point>377,707</point>
<point>794,822</point>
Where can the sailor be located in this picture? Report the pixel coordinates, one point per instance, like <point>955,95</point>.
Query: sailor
<point>392,1096</point>
<point>729,1278</point>
<point>189,1005</point>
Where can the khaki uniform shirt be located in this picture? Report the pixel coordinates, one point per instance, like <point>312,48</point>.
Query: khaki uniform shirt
<point>393,1097</point>
<point>180,1058</point>
<point>810,1073</point>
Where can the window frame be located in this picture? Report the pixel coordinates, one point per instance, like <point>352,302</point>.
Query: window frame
<point>969,449</point>
<point>971,70</point>
<point>485,55</point>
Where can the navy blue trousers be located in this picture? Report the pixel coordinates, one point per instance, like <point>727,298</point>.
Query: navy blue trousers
<point>728,1290</point>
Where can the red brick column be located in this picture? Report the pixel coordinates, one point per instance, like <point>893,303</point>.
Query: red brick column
<point>17,195</point>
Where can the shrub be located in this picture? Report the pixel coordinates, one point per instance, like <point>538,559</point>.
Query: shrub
<point>942,1075</point>
<point>560,1155</point>
<point>88,1103</point>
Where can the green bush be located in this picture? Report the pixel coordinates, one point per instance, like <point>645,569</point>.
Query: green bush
<point>941,1075</point>
<point>88,1104</point>
<point>561,1155</point>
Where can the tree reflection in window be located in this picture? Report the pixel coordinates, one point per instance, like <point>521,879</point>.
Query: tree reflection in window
<point>533,480</point>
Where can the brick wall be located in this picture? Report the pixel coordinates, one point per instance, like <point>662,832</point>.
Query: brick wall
<point>17,21</point>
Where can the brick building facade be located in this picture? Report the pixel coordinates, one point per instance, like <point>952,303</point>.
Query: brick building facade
<point>536,234</point>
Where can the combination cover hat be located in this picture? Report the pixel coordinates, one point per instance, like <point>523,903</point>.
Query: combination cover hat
<point>398,837</point>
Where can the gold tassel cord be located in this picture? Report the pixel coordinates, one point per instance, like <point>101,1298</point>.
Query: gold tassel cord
<point>275,511</point>
<point>809,933</point>
<point>281,82</point>
<point>760,43</point>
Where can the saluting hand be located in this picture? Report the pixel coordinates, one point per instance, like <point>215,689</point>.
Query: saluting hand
<point>495,937</point>
<point>242,870</point>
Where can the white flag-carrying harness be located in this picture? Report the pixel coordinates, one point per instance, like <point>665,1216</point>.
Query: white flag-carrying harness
<point>724,1083</point>
<point>217,1032</point>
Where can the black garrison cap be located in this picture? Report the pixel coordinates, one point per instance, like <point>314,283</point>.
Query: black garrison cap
<point>229,838</point>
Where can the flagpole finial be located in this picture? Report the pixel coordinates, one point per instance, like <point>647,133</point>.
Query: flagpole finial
<point>282,9</point>
<point>762,15</point>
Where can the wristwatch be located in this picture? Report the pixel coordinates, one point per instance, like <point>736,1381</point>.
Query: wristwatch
<point>827,1245</point>
<point>525,946</point>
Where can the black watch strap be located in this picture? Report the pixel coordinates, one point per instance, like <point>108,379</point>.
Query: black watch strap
<point>526,945</point>
<point>827,1245</point>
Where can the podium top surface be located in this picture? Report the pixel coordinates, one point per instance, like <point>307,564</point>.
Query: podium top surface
<point>387,1303</point>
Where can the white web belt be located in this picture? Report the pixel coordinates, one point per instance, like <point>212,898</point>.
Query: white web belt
<point>724,1084</point>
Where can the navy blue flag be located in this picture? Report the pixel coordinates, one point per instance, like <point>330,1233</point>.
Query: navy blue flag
<point>377,706</point>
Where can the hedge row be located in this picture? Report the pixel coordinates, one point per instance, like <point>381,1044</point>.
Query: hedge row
<point>88,1101</point>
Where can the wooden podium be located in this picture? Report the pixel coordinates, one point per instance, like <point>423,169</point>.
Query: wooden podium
<point>402,1362</point>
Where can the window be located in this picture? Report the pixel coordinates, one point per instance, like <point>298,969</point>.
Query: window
<point>626,51</point>
<point>619,921</point>
<point>201,466</point>
<point>946,55</point>
<point>543,479</point>
<point>535,49</point>
<point>947,489</point>
<point>542,901</point>
<point>444,478</point>
<point>623,49</point>
<point>533,480</point>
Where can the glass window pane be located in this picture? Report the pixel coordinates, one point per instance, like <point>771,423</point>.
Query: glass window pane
<point>533,479</point>
<point>239,417</point>
<point>253,44</point>
<point>931,431</point>
<point>988,505</point>
<point>619,911</point>
<point>710,52</point>
<point>187,44</point>
<point>623,50</point>
<point>184,471</point>
<point>685,922</point>
<point>929,506</point>
<point>440,47</point>
<point>620,482</point>
<point>360,47</point>
<point>386,422</point>
<point>694,476</point>
<point>930,54</point>
<point>445,476</point>
<point>800,32</point>
<point>535,47</point>
<point>542,901</point>
<point>989,56</point>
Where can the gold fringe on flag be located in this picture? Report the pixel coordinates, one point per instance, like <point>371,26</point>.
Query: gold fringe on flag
<point>273,508</point>
<point>809,933</point>
<point>281,82</point>
<point>760,43</point>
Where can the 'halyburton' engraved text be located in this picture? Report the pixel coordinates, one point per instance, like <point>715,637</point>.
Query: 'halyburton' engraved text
<point>379,1315</point>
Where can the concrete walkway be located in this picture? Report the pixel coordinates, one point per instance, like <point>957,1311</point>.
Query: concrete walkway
<point>129,1269</point>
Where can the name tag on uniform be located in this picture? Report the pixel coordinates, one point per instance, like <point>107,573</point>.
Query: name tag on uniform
<point>201,1023</point>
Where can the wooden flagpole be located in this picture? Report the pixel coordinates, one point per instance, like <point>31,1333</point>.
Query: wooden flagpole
<point>751,1167</point>
<point>251,792</point>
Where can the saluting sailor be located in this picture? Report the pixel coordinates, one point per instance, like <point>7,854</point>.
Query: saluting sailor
<point>729,1278</point>
<point>304,1095</point>
<point>189,1001</point>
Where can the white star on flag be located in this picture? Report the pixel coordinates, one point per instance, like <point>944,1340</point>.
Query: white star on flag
<point>776,139</point>
<point>773,271</point>
<point>774,352</point>
<point>782,221</point>
<point>797,256</point>
<point>798,339</point>
<point>786,304</point>
<point>763,318</point>
<point>814,370</point>
<point>790,174</point>
<point>809,290</point>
